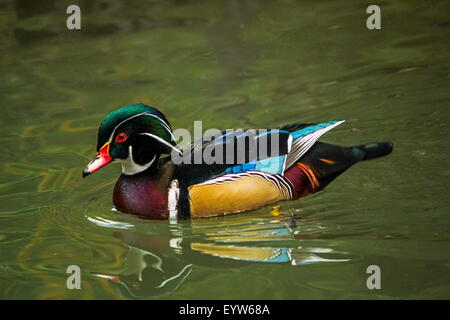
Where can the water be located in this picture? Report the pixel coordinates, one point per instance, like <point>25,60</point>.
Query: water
<point>231,64</point>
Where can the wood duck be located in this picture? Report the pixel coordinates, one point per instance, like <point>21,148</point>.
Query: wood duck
<point>294,165</point>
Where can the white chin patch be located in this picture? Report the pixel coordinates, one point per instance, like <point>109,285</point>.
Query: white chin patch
<point>129,167</point>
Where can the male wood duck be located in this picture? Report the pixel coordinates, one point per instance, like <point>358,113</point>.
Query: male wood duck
<point>161,188</point>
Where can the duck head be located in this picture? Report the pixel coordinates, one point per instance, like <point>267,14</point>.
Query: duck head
<point>136,135</point>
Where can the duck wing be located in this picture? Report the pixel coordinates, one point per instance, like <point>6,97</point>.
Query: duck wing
<point>234,151</point>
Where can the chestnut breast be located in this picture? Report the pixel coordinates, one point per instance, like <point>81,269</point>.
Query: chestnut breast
<point>144,194</point>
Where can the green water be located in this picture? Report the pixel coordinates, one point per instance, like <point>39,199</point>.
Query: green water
<point>231,64</point>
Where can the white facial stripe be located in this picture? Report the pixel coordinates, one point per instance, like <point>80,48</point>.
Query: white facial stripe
<point>162,141</point>
<point>165,125</point>
<point>129,167</point>
<point>129,118</point>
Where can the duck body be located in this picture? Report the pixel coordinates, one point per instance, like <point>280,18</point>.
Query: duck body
<point>161,188</point>
<point>147,193</point>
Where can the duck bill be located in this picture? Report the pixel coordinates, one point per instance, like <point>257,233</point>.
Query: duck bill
<point>101,160</point>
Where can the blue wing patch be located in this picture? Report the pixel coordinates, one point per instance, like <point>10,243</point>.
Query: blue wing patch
<point>305,131</point>
<point>273,165</point>
<point>242,167</point>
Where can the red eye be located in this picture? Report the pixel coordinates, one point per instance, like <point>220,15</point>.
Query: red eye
<point>121,137</point>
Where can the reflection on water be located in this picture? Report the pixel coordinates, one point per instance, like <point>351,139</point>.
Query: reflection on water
<point>156,265</point>
<point>232,64</point>
<point>144,276</point>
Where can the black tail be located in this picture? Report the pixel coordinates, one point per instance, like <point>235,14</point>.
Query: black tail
<point>374,150</point>
<point>328,161</point>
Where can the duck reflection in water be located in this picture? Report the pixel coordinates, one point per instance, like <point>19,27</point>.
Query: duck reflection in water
<point>158,264</point>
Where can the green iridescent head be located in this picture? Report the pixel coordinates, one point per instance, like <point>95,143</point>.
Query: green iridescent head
<point>137,135</point>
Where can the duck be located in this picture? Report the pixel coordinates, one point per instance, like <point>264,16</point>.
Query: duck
<point>161,180</point>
